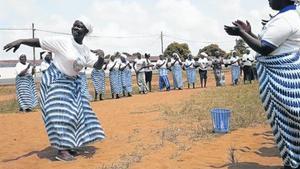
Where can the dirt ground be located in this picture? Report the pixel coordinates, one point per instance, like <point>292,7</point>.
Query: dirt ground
<point>137,139</point>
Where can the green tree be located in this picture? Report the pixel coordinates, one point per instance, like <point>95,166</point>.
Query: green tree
<point>211,49</point>
<point>181,48</point>
<point>240,47</point>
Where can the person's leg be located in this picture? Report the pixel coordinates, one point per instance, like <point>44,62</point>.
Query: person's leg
<point>139,82</point>
<point>145,88</point>
<point>100,96</point>
<point>96,95</point>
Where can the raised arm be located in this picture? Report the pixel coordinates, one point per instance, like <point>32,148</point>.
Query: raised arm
<point>16,44</point>
<point>253,42</point>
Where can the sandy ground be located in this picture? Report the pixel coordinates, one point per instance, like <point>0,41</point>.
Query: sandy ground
<point>136,138</point>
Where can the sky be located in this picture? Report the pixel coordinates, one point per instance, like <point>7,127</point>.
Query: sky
<point>130,25</point>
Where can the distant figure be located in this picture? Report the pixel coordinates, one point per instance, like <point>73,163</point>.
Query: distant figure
<point>247,66</point>
<point>176,67</point>
<point>115,86</point>
<point>217,62</point>
<point>139,66</point>
<point>161,65</point>
<point>235,68</point>
<point>46,61</point>
<point>98,77</point>
<point>203,66</point>
<point>25,86</point>
<point>148,71</point>
<point>126,79</point>
<point>189,65</point>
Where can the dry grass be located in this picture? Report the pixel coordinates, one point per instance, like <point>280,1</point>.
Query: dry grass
<point>9,106</point>
<point>194,114</point>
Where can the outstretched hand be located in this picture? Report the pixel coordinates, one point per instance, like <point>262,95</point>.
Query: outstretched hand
<point>232,30</point>
<point>13,45</point>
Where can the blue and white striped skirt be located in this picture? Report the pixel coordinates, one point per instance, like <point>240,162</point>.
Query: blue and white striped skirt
<point>279,85</point>
<point>115,82</point>
<point>69,119</point>
<point>85,88</point>
<point>26,92</point>
<point>126,80</point>
<point>177,76</point>
<point>191,75</point>
<point>98,77</point>
<point>235,73</point>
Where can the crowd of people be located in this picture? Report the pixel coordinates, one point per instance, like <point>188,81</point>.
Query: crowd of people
<point>120,70</point>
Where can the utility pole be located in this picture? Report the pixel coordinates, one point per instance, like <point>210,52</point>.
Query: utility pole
<point>162,42</point>
<point>33,49</point>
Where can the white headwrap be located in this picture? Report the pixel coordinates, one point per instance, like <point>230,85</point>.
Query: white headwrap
<point>175,55</point>
<point>204,54</point>
<point>87,24</point>
<point>123,55</point>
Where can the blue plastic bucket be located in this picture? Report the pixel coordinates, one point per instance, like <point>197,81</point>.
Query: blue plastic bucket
<point>221,120</point>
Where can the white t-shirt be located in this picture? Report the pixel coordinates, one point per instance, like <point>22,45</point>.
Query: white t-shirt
<point>122,64</point>
<point>203,63</point>
<point>20,67</point>
<point>247,59</point>
<point>164,62</point>
<point>44,66</point>
<point>188,62</point>
<point>148,62</point>
<point>173,61</point>
<point>139,63</point>
<point>111,64</point>
<point>283,32</point>
<point>70,57</point>
<point>234,60</point>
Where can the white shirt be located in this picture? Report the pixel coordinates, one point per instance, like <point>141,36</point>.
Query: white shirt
<point>174,61</point>
<point>111,64</point>
<point>247,60</point>
<point>20,67</point>
<point>44,66</point>
<point>148,62</point>
<point>70,57</point>
<point>164,62</point>
<point>139,63</point>
<point>203,63</point>
<point>283,32</point>
<point>122,64</point>
<point>188,62</point>
<point>234,60</point>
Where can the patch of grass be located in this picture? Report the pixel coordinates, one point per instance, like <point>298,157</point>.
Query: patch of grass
<point>9,106</point>
<point>242,100</point>
<point>7,90</point>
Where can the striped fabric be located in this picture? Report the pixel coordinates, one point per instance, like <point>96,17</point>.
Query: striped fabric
<point>191,75</point>
<point>26,92</point>
<point>279,85</point>
<point>85,88</point>
<point>114,79</point>
<point>235,73</point>
<point>177,76</point>
<point>98,77</point>
<point>126,80</point>
<point>164,83</point>
<point>69,119</point>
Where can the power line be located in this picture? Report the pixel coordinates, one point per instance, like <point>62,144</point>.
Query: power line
<point>15,29</point>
